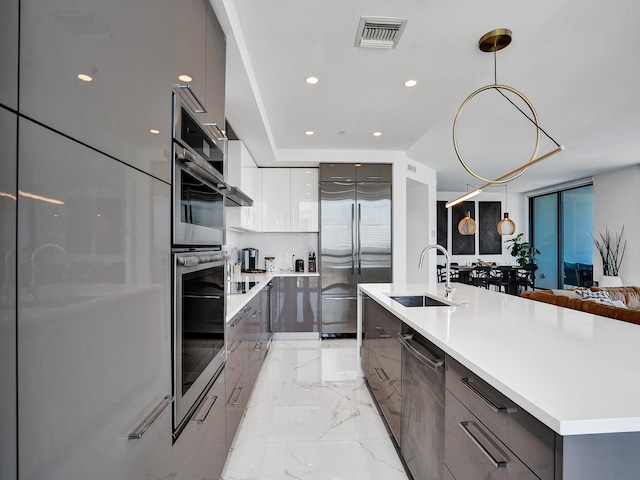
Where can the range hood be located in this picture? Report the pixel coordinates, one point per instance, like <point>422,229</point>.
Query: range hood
<point>234,197</point>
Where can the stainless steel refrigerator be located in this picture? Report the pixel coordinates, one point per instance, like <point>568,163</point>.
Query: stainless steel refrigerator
<point>355,238</point>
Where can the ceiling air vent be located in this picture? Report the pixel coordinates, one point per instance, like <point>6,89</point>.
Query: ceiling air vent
<point>378,32</point>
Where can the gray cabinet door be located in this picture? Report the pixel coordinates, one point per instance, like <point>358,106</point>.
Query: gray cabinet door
<point>201,449</point>
<point>215,61</point>
<point>299,302</point>
<point>8,413</point>
<point>134,51</point>
<point>94,350</point>
<point>9,25</point>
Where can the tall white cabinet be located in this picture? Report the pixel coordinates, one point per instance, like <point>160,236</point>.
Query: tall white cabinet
<point>290,200</point>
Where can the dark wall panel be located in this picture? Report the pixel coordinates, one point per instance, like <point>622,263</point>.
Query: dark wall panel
<point>442,234</point>
<point>490,241</point>
<point>462,244</point>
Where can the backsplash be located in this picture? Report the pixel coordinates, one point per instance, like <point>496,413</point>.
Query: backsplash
<point>285,247</point>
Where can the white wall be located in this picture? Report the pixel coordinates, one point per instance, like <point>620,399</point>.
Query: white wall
<point>515,204</point>
<point>616,198</point>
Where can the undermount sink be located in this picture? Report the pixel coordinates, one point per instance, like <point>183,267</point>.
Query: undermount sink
<point>418,301</point>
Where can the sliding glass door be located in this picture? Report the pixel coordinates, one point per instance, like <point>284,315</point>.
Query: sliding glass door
<point>561,227</point>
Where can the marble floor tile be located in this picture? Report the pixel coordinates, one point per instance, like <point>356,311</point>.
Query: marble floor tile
<point>311,416</point>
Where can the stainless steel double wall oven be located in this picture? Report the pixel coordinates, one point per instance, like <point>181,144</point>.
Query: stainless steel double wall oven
<point>197,253</point>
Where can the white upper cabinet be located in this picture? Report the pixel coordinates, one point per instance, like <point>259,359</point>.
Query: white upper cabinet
<point>9,53</point>
<point>242,172</point>
<point>290,200</point>
<point>133,51</point>
<point>304,199</point>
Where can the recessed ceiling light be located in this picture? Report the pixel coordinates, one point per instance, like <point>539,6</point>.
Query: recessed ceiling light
<point>154,131</point>
<point>342,132</point>
<point>185,78</point>
<point>309,132</point>
<point>312,80</point>
<point>84,77</point>
<point>377,134</point>
<point>410,83</point>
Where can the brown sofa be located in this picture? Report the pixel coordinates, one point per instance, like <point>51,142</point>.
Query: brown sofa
<point>570,299</point>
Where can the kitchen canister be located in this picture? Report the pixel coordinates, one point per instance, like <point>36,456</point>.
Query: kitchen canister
<point>269,266</point>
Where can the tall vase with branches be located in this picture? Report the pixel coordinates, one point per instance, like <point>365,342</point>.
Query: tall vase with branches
<point>611,251</point>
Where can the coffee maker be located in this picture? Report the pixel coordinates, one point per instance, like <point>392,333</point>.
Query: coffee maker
<point>299,265</point>
<point>249,258</point>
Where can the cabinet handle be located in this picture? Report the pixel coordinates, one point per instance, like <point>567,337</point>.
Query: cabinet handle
<point>337,178</point>
<point>214,126</point>
<point>378,370</point>
<point>149,419</point>
<point>205,408</point>
<point>372,177</point>
<point>186,88</point>
<point>237,397</point>
<point>258,347</point>
<point>433,363</point>
<point>496,463</point>
<point>236,321</point>
<point>239,342</point>
<point>339,298</point>
<point>382,332</point>
<point>466,381</point>
<point>359,252</point>
<point>353,233</point>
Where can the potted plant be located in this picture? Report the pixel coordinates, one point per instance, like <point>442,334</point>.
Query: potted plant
<point>523,251</point>
<point>611,252</point>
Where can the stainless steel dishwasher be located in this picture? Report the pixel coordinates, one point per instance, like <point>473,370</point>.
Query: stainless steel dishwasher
<point>422,420</point>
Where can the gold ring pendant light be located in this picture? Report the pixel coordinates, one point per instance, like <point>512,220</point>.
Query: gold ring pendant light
<point>492,42</point>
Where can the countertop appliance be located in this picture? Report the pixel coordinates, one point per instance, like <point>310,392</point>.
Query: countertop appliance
<point>249,259</point>
<point>198,328</point>
<point>299,265</point>
<point>355,239</point>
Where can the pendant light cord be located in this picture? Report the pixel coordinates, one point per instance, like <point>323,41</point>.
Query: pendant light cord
<point>495,82</point>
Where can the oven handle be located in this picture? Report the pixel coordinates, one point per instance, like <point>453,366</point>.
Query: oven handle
<point>194,259</point>
<point>201,169</point>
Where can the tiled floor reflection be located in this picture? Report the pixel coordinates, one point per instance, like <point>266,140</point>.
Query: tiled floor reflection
<point>311,417</point>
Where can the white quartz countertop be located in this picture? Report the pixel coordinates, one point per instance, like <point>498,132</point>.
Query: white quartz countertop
<point>577,373</point>
<point>235,302</point>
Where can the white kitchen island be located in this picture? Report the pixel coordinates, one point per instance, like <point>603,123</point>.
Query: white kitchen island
<point>575,372</point>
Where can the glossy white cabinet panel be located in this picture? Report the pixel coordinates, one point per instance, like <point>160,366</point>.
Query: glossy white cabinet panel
<point>289,199</point>
<point>304,199</point>
<point>134,51</point>
<point>93,313</point>
<point>244,173</point>
<point>9,24</point>
<point>8,203</point>
<point>276,200</point>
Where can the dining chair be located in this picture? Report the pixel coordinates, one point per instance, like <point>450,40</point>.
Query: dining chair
<point>526,277</point>
<point>499,277</point>
<point>480,276</point>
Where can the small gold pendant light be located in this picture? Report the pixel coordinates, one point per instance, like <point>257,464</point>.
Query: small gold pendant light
<point>506,226</point>
<point>467,226</point>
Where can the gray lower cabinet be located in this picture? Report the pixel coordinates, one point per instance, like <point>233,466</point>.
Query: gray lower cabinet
<point>382,353</point>
<point>237,371</point>
<point>201,448</point>
<point>499,439</point>
<point>296,304</point>
<point>247,344</point>
<point>422,410</point>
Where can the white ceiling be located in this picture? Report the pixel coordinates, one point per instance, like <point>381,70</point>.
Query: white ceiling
<point>575,60</point>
